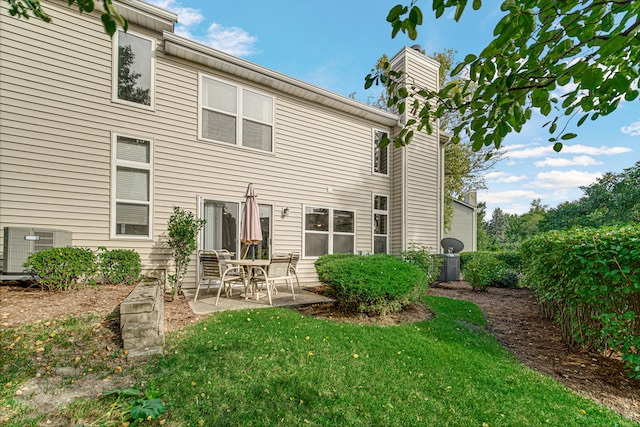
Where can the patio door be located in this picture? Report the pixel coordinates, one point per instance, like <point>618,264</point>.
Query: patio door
<point>222,229</point>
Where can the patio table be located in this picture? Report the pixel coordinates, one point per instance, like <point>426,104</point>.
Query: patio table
<point>253,268</point>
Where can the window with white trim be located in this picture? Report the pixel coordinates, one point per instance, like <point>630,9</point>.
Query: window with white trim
<point>131,187</point>
<point>328,231</point>
<point>380,154</point>
<point>235,115</point>
<point>380,224</point>
<point>133,59</point>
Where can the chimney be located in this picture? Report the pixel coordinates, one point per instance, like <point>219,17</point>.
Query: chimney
<point>471,197</point>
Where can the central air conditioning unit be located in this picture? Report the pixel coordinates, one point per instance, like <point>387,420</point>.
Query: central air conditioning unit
<point>20,242</point>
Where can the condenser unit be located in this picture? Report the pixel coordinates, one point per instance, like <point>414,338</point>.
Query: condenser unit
<point>20,242</point>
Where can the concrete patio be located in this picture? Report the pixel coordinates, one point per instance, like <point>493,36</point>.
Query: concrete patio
<point>207,299</point>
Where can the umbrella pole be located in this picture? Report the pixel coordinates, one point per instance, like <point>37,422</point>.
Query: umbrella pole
<point>245,252</point>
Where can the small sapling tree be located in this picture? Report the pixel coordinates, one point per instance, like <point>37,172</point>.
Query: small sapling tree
<point>182,231</point>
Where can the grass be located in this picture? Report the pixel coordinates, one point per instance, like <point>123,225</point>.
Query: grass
<point>272,366</point>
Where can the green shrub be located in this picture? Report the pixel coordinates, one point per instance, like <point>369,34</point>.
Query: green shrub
<point>513,259</point>
<point>497,269</point>
<point>419,255</point>
<point>62,268</point>
<point>465,257</point>
<point>484,270</point>
<point>119,266</point>
<point>374,284</point>
<point>588,281</point>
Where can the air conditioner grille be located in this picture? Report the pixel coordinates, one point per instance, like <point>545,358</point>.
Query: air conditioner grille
<point>20,242</point>
<point>45,240</point>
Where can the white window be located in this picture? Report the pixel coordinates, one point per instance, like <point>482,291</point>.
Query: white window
<point>380,224</point>
<point>132,187</point>
<point>235,115</point>
<point>380,155</point>
<point>328,231</point>
<point>133,59</point>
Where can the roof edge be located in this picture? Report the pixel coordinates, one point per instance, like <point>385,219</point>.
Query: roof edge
<point>178,46</point>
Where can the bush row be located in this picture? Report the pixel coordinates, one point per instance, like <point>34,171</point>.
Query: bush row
<point>497,269</point>
<point>72,267</point>
<point>374,284</point>
<point>588,281</point>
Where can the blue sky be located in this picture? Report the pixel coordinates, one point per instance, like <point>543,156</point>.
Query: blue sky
<point>334,44</point>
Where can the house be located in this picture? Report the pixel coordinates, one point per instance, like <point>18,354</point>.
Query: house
<point>101,137</point>
<point>464,224</point>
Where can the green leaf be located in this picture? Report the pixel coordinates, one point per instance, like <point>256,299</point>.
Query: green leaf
<point>477,4</point>
<point>592,78</point>
<point>539,97</point>
<point>567,136</point>
<point>109,24</point>
<point>415,16</point>
<point>395,12</point>
<point>557,147</point>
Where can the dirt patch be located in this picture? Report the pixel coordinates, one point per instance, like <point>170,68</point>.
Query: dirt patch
<point>21,303</point>
<point>512,316</point>
<point>411,314</point>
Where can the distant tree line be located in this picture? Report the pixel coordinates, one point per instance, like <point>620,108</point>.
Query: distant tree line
<point>614,199</point>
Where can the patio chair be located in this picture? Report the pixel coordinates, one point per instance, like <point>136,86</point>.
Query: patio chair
<point>212,269</point>
<point>293,267</point>
<point>232,275</point>
<point>278,269</point>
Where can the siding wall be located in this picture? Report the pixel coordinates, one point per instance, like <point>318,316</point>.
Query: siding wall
<point>463,226</point>
<point>421,165</point>
<point>56,125</point>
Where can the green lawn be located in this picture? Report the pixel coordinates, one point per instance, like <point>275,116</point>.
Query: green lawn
<point>273,366</point>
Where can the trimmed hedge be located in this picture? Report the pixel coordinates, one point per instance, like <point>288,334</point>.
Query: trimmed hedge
<point>72,267</point>
<point>588,281</point>
<point>374,284</point>
<point>62,268</point>
<point>513,259</point>
<point>497,269</point>
<point>119,266</point>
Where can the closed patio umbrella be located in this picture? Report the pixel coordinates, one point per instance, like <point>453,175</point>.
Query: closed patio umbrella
<point>250,232</point>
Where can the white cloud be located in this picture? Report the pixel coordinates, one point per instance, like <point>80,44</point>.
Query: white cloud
<point>233,40</point>
<point>555,180</point>
<point>632,130</point>
<point>541,151</point>
<point>558,162</point>
<point>511,197</point>
<point>187,16</point>
<point>504,177</point>
<point>594,151</point>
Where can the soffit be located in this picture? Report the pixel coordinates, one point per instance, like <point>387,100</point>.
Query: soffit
<point>146,15</point>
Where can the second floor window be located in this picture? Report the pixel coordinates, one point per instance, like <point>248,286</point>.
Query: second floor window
<point>235,115</point>
<point>134,69</point>
<point>380,155</point>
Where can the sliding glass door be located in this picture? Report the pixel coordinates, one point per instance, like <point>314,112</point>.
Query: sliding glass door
<point>222,229</point>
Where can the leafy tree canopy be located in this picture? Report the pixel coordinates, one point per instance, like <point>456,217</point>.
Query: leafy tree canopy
<point>110,16</point>
<point>587,49</point>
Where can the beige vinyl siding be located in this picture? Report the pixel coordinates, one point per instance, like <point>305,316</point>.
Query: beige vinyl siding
<point>463,225</point>
<point>423,181</point>
<point>417,178</point>
<point>396,200</point>
<point>57,125</point>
